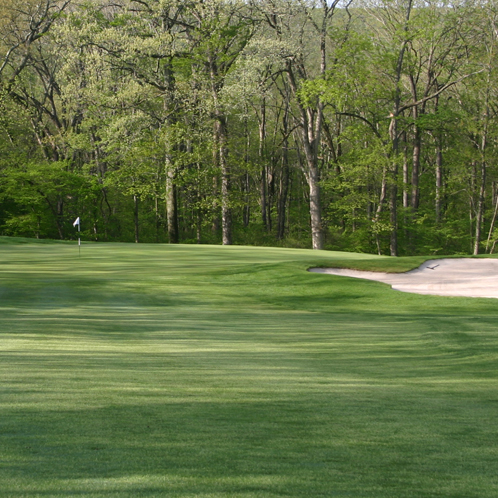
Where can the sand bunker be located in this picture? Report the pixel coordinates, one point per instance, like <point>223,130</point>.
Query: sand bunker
<point>441,277</point>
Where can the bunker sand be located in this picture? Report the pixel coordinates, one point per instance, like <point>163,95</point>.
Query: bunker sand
<point>440,277</point>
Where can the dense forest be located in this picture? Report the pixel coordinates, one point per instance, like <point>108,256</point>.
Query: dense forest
<point>360,125</point>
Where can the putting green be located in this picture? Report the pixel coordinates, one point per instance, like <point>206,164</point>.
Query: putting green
<point>197,371</point>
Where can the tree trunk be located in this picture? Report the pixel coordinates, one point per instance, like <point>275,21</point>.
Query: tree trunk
<point>246,182</point>
<point>171,205</point>
<point>263,171</point>
<point>394,136</point>
<point>310,116</point>
<point>406,179</point>
<point>417,148</point>
<point>220,142</point>
<point>215,225</point>
<point>394,214</point>
<point>135,216</point>
<point>310,125</point>
<point>317,237</point>
<point>283,184</point>
<point>480,209</point>
<point>493,220</point>
<point>482,188</point>
<point>247,201</point>
<point>439,183</point>
<point>393,186</point>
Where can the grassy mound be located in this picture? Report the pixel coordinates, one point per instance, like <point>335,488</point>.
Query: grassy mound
<point>198,371</point>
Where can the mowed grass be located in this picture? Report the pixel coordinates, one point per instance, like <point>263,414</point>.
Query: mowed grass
<point>198,371</point>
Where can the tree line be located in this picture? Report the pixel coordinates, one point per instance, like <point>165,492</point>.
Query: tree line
<point>361,125</point>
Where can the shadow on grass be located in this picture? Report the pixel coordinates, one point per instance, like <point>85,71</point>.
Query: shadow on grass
<point>299,404</point>
<point>300,446</point>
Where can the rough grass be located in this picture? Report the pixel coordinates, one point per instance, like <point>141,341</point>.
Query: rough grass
<point>186,371</point>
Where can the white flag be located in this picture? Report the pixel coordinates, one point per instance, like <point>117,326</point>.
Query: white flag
<point>76,221</point>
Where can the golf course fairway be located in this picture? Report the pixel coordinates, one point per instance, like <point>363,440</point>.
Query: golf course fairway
<point>184,371</point>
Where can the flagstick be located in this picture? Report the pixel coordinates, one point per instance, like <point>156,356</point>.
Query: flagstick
<point>78,222</point>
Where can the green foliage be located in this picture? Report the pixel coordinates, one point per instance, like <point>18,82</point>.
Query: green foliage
<point>117,100</point>
<point>42,199</point>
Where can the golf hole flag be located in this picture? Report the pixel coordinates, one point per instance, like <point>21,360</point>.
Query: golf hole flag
<point>77,222</point>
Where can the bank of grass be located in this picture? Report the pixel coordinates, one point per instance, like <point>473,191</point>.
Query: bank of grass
<point>195,371</point>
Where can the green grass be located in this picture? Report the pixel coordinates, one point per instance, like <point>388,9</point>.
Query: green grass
<point>198,371</point>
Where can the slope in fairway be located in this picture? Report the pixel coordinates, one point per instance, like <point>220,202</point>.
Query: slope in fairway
<point>186,371</point>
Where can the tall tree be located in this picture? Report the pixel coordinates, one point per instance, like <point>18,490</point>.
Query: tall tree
<point>219,30</point>
<point>298,22</point>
